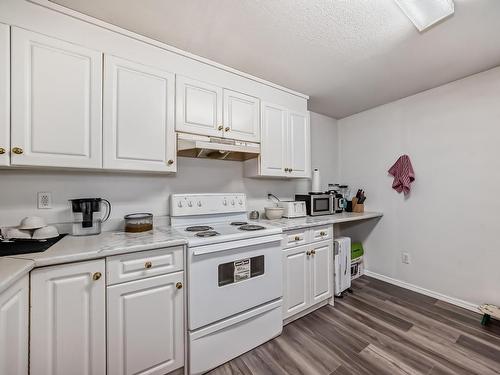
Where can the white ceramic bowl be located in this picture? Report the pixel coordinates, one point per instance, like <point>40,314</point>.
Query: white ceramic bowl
<point>44,233</point>
<point>16,233</point>
<point>273,213</point>
<point>32,222</point>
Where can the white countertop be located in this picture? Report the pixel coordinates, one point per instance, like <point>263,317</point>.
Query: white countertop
<point>12,269</point>
<point>312,221</point>
<point>73,249</point>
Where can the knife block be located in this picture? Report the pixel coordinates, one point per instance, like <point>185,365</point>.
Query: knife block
<point>356,207</point>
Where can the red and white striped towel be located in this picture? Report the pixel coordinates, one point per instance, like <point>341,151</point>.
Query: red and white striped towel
<point>402,170</point>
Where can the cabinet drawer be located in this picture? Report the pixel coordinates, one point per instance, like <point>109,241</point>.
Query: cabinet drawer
<point>296,238</point>
<point>322,233</point>
<point>127,267</point>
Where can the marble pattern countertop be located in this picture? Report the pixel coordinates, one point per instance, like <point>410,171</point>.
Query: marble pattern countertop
<point>73,249</point>
<point>312,221</point>
<point>12,269</point>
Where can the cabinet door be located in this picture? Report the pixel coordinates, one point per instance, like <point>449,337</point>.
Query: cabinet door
<point>56,102</point>
<point>68,326</point>
<point>299,145</point>
<point>4,95</point>
<point>241,117</point>
<point>138,114</point>
<point>296,281</point>
<point>198,107</point>
<point>146,326</point>
<point>14,312</point>
<point>321,271</point>
<point>274,142</point>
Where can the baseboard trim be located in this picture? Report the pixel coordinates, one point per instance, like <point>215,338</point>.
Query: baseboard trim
<point>454,301</point>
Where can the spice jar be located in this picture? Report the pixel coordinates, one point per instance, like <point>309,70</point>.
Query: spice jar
<point>140,222</point>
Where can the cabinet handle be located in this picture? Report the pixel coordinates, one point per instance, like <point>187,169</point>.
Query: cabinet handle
<point>227,129</point>
<point>178,285</point>
<point>290,169</point>
<point>308,253</point>
<point>2,151</point>
<point>148,265</point>
<point>313,252</point>
<point>96,276</point>
<point>322,234</point>
<point>297,238</point>
<point>220,127</point>
<point>286,169</point>
<point>170,162</point>
<point>17,150</point>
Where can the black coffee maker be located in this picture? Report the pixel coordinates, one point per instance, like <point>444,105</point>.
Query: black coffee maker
<point>87,217</point>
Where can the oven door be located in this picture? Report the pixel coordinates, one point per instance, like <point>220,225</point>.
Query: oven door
<point>322,205</point>
<point>229,278</point>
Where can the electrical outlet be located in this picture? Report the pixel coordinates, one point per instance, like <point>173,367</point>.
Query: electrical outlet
<point>405,258</point>
<point>44,200</point>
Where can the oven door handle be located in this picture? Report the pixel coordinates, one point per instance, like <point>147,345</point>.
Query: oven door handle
<point>231,245</point>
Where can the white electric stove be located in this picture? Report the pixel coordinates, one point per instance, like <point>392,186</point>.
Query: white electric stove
<point>234,277</point>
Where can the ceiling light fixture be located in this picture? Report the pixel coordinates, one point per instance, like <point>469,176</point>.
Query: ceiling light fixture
<point>425,13</point>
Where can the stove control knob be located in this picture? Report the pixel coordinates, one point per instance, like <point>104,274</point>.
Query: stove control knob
<point>232,202</point>
<point>224,202</point>
<point>199,203</point>
<point>190,204</point>
<point>179,204</point>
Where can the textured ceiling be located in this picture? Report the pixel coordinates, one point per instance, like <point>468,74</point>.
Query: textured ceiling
<point>348,55</point>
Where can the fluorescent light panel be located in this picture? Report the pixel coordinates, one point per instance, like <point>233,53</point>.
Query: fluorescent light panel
<point>425,13</point>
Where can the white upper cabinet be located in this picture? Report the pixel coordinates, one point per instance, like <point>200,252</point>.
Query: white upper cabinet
<point>56,102</point>
<point>285,143</point>
<point>138,122</point>
<point>4,95</point>
<point>198,107</point>
<point>274,140</point>
<point>14,312</point>
<point>68,319</point>
<point>299,143</point>
<point>241,117</point>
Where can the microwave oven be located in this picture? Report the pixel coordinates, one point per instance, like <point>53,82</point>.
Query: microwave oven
<point>317,204</point>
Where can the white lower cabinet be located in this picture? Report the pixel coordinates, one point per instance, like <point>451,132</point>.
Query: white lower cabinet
<point>146,326</point>
<point>68,319</point>
<point>14,328</point>
<point>296,275</point>
<point>307,274</point>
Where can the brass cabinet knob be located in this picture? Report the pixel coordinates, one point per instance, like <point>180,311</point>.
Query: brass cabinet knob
<point>308,253</point>
<point>170,162</point>
<point>96,276</point>
<point>220,127</point>
<point>313,252</point>
<point>17,150</point>
<point>290,169</point>
<point>148,265</point>
<point>227,129</point>
<point>178,285</point>
<point>322,233</point>
<point>286,169</point>
<point>297,238</point>
<point>2,151</point>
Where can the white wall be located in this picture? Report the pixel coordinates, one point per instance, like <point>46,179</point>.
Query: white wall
<point>449,224</point>
<point>149,193</point>
<point>324,148</point>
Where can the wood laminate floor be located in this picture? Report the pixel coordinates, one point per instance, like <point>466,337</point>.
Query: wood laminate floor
<point>380,329</point>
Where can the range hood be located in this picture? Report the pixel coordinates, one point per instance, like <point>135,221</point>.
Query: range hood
<point>198,146</point>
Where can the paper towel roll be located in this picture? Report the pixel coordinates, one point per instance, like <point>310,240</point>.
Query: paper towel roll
<point>315,184</point>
